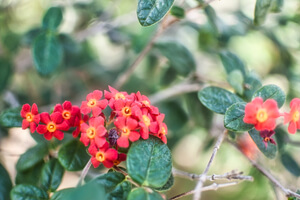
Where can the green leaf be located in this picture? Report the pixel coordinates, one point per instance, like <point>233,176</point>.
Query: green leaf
<point>232,62</point>
<point>213,19</point>
<point>262,8</point>
<point>5,73</point>
<point>28,192</point>
<point>5,184</point>
<point>151,11</point>
<point>29,176</point>
<point>236,80</point>
<point>149,162</point>
<point>252,83</point>
<point>277,5</point>
<point>32,156</point>
<point>11,118</point>
<point>177,12</point>
<point>142,194</point>
<point>217,99</point>
<point>73,156</point>
<point>270,151</point>
<point>47,53</point>
<point>51,175</point>
<point>179,56</point>
<point>271,92</point>
<point>52,18</point>
<point>120,192</point>
<point>168,184</point>
<point>290,164</point>
<point>62,194</point>
<point>233,119</point>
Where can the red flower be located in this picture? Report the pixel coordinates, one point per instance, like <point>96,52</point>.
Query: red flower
<point>55,124</point>
<point>159,129</point>
<point>145,102</point>
<point>94,132</point>
<point>127,127</point>
<point>124,107</point>
<point>104,155</point>
<point>266,135</point>
<point>77,123</point>
<point>262,114</point>
<point>30,118</point>
<point>293,116</point>
<point>93,103</point>
<point>114,95</point>
<point>68,112</point>
<point>121,157</point>
<point>145,120</point>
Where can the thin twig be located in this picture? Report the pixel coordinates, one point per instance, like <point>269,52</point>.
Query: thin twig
<point>267,174</point>
<point>202,179</point>
<point>126,175</point>
<point>84,172</point>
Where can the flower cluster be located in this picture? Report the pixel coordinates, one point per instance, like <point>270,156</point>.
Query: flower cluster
<point>131,117</point>
<point>263,114</point>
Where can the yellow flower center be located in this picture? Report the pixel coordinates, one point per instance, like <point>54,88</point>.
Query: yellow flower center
<point>91,132</point>
<point>51,127</point>
<point>125,131</point>
<point>261,115</point>
<point>29,117</point>
<point>146,120</point>
<point>116,162</point>
<point>66,114</point>
<point>119,96</point>
<point>163,130</point>
<point>267,139</point>
<point>100,156</point>
<point>147,103</point>
<point>295,116</point>
<point>126,111</point>
<point>92,103</point>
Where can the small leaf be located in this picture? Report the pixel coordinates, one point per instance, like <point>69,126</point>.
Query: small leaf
<point>179,56</point>
<point>5,73</point>
<point>252,83</point>
<point>47,53</point>
<point>213,19</point>
<point>28,192</point>
<point>168,184</point>
<point>32,156</point>
<point>271,92</point>
<point>11,118</point>
<point>73,156</point>
<point>231,63</point>
<point>149,162</point>
<point>177,12</point>
<point>233,119</point>
<point>217,99</point>
<point>262,8</point>
<point>52,18</point>
<point>51,175</point>
<point>142,194</point>
<point>150,12</point>
<point>5,183</point>
<point>270,151</point>
<point>236,80</point>
<point>290,164</point>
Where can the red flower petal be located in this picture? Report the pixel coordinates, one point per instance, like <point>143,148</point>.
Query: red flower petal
<point>131,123</point>
<point>63,126</point>
<point>58,108</point>
<point>101,131</point>
<point>95,162</point>
<point>37,118</point>
<point>84,108</point>
<point>67,105</point>
<point>25,124</point>
<point>272,109</point>
<point>134,136</point>
<point>292,127</point>
<point>111,154</point>
<point>96,111</point>
<point>58,134</point>
<point>48,135</point>
<point>100,141</point>
<point>34,109</point>
<point>25,109</point>
<point>32,127</point>
<point>123,142</point>
<point>120,122</point>
<point>84,139</point>
<point>108,163</point>
<point>56,117</point>
<point>41,129</point>
<point>102,103</point>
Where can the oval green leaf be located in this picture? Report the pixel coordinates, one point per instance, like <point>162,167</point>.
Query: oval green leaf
<point>51,175</point>
<point>177,12</point>
<point>290,164</point>
<point>149,162</point>
<point>150,12</point>
<point>236,80</point>
<point>73,156</point>
<point>5,183</point>
<point>47,53</point>
<point>28,192</point>
<point>252,83</point>
<point>179,56</point>
<point>142,194</point>
<point>232,62</point>
<point>11,118</point>
<point>262,8</point>
<point>271,92</point>
<point>5,73</point>
<point>233,119</point>
<point>168,184</point>
<point>62,194</point>
<point>32,156</point>
<point>217,99</point>
<point>270,151</point>
<point>52,18</point>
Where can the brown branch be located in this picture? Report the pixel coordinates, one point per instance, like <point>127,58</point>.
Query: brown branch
<point>84,172</point>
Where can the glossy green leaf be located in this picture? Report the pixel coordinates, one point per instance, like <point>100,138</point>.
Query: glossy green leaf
<point>142,194</point>
<point>217,99</point>
<point>179,56</point>
<point>232,62</point>
<point>5,184</point>
<point>168,184</point>
<point>262,8</point>
<point>5,73</point>
<point>290,164</point>
<point>52,18</point>
<point>271,92</point>
<point>51,175</point>
<point>63,194</point>
<point>28,192</point>
<point>177,12</point>
<point>233,119</point>
<point>32,156</point>
<point>30,175</point>
<point>236,80</point>
<point>270,151</point>
<point>252,83</point>
<point>73,156</point>
<point>121,192</point>
<point>151,11</point>
<point>11,118</point>
<point>47,53</point>
<point>149,162</point>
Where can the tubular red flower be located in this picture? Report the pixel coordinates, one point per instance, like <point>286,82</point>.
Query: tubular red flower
<point>127,127</point>
<point>93,103</point>
<point>30,117</point>
<point>261,114</point>
<point>104,155</point>
<point>68,112</point>
<point>114,95</point>
<point>293,116</point>
<point>266,135</point>
<point>159,129</point>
